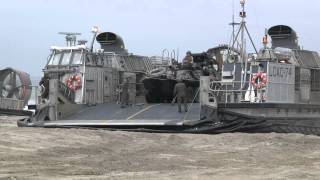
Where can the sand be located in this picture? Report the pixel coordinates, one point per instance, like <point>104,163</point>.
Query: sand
<point>38,153</point>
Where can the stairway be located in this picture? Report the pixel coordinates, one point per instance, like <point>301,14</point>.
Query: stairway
<point>65,94</point>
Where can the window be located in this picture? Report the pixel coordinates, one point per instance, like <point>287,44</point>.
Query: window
<point>315,80</point>
<point>66,58</point>
<point>77,57</point>
<point>55,59</point>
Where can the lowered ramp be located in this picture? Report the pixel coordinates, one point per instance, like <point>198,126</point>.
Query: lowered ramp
<point>138,112</point>
<point>111,115</point>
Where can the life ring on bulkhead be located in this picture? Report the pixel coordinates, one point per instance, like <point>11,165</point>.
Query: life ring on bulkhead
<point>74,83</point>
<point>259,80</point>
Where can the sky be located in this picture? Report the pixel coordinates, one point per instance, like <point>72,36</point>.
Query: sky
<point>30,28</point>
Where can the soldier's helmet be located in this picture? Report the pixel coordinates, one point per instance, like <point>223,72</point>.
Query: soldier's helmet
<point>188,52</point>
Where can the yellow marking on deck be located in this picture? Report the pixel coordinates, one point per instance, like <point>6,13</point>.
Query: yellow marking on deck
<point>143,110</point>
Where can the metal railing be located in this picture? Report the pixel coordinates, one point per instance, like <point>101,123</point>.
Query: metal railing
<point>231,92</point>
<point>11,103</point>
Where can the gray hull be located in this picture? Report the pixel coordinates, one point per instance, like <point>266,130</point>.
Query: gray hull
<point>164,118</point>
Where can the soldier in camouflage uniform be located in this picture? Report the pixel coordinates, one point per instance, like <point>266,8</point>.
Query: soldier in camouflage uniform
<point>180,91</point>
<point>188,60</point>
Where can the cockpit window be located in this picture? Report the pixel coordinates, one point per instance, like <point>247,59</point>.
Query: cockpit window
<point>55,58</point>
<point>66,58</point>
<point>77,57</point>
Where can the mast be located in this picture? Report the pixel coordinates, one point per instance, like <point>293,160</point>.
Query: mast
<point>243,57</point>
<point>240,37</point>
<point>233,24</point>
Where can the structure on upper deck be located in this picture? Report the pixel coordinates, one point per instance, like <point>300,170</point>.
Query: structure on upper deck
<point>283,36</point>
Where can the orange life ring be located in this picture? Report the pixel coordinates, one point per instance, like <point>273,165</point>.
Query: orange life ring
<point>74,83</point>
<point>259,80</point>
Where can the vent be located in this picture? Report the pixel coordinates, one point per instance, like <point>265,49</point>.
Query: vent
<point>111,42</point>
<point>283,36</point>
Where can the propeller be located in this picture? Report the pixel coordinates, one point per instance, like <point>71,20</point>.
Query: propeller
<point>12,87</point>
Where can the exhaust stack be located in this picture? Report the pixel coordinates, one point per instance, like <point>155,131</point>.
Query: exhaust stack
<point>283,36</point>
<point>111,42</point>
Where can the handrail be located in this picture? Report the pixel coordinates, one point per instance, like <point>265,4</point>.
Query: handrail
<point>189,107</point>
<point>223,91</point>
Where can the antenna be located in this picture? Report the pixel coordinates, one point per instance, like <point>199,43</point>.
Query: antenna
<point>71,37</point>
<point>233,24</point>
<point>82,42</point>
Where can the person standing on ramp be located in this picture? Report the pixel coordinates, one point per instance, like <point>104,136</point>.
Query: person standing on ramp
<point>125,93</point>
<point>180,91</point>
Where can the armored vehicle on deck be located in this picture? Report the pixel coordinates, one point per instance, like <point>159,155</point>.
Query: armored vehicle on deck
<point>160,82</point>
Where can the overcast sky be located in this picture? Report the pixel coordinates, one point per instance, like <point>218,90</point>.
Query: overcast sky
<point>29,28</point>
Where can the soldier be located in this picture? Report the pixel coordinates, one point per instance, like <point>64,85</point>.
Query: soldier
<point>188,60</point>
<point>171,73</point>
<point>190,94</point>
<point>180,91</point>
<point>125,93</point>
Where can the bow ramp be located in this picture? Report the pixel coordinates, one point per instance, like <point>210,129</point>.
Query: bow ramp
<point>146,115</point>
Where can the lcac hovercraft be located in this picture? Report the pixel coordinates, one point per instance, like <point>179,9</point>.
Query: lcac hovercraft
<point>275,90</point>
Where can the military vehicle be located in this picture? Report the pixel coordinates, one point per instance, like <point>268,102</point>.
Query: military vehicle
<point>274,90</point>
<point>160,82</point>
